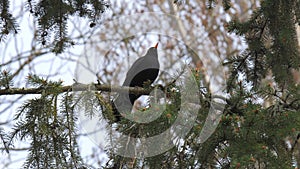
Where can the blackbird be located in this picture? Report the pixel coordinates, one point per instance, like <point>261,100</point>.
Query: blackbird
<point>143,71</point>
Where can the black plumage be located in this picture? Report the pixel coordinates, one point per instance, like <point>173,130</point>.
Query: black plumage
<point>143,70</point>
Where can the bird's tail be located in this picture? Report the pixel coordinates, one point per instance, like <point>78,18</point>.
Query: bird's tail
<point>122,104</point>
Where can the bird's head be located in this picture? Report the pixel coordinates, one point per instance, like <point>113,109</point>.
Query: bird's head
<point>152,51</point>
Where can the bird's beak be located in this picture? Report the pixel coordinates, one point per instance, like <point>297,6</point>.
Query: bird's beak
<point>156,45</point>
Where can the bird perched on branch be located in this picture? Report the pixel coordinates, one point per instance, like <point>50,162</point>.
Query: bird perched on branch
<point>143,71</point>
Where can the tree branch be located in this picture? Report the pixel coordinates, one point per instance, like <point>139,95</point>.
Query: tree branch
<point>77,87</point>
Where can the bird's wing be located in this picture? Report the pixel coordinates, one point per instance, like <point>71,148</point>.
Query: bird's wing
<point>133,71</point>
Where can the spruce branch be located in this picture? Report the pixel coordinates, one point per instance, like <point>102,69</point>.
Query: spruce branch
<point>76,87</point>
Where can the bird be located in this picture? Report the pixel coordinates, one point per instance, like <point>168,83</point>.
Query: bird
<point>143,70</point>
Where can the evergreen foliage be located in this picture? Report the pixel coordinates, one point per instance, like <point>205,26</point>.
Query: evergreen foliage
<point>48,122</point>
<point>5,79</point>
<point>249,135</point>
<point>52,17</point>
<point>8,23</point>
<point>272,41</point>
<point>4,139</point>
